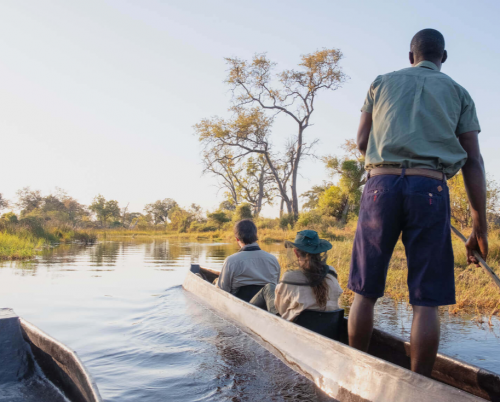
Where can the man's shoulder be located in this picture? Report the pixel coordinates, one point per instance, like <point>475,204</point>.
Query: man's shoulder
<point>234,258</point>
<point>244,255</point>
<point>416,71</point>
<point>403,71</point>
<point>267,255</point>
<point>459,88</point>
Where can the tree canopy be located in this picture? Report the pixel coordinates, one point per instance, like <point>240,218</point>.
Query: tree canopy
<point>260,94</point>
<point>160,210</point>
<point>105,211</point>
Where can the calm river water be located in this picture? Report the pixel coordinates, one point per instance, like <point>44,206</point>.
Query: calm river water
<point>120,305</point>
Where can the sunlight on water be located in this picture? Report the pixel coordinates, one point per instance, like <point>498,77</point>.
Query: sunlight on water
<point>120,305</point>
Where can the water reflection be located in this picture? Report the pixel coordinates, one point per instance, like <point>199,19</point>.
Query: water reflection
<point>462,336</point>
<point>106,253</point>
<point>120,305</point>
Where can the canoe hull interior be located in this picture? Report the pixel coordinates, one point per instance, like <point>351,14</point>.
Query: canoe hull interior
<point>26,345</point>
<point>345,373</point>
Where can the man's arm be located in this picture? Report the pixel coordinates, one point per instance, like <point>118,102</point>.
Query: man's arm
<point>365,125</point>
<point>225,277</point>
<point>475,185</point>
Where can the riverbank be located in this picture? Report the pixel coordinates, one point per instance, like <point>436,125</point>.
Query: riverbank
<point>23,242</point>
<point>475,291</point>
<point>265,235</point>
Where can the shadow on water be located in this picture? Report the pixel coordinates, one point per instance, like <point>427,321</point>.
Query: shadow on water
<point>119,304</point>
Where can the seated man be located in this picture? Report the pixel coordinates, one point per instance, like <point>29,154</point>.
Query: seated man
<point>313,286</point>
<point>251,265</point>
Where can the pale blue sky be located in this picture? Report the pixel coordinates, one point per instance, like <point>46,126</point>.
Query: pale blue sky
<point>101,96</point>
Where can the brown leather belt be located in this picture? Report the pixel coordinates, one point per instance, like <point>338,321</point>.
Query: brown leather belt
<point>433,174</point>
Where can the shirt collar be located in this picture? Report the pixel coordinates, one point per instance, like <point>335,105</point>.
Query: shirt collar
<point>250,247</point>
<point>428,64</point>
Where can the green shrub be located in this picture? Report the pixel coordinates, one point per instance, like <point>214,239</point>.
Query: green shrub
<point>287,221</point>
<point>219,218</point>
<point>13,247</point>
<point>243,211</point>
<point>10,217</point>
<point>267,223</point>
<point>306,219</point>
<point>202,227</point>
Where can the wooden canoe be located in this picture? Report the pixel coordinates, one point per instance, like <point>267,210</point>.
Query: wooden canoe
<point>25,351</point>
<point>344,373</point>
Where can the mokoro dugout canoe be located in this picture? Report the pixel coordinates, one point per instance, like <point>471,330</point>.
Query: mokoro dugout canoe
<point>25,350</point>
<point>344,373</point>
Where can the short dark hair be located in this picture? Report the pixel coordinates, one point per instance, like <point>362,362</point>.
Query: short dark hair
<point>428,44</point>
<point>246,231</point>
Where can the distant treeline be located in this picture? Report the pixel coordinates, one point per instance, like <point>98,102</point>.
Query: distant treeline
<point>334,203</point>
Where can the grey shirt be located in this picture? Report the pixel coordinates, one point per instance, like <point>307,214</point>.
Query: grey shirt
<point>248,268</point>
<point>418,114</point>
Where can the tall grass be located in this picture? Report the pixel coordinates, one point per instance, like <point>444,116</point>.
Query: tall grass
<point>265,235</point>
<point>13,247</point>
<point>24,239</point>
<point>475,291</point>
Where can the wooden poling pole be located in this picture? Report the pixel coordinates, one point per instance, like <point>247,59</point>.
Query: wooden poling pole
<point>490,272</point>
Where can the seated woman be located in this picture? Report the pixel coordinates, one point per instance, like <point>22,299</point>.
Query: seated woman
<point>314,286</point>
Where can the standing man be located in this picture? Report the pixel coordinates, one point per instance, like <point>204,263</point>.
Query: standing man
<point>418,128</point>
<point>250,266</point>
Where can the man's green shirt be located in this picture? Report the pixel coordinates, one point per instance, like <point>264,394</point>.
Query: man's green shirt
<point>418,114</point>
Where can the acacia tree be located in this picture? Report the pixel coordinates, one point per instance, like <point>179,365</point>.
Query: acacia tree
<point>258,185</point>
<point>181,219</point>
<point>75,211</point>
<point>219,162</point>
<point>105,210</point>
<point>28,200</point>
<point>289,92</point>
<point>244,179</point>
<point>160,210</point>
<point>247,133</point>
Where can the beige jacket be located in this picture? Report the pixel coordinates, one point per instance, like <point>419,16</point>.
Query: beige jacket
<point>291,300</point>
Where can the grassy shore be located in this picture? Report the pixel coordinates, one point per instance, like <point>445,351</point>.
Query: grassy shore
<point>13,247</point>
<point>265,235</point>
<point>21,242</point>
<point>475,291</point>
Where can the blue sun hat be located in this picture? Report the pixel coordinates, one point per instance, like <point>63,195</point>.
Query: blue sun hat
<point>309,241</point>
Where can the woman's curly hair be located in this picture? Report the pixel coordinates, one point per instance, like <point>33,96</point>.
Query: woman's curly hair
<point>315,269</point>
